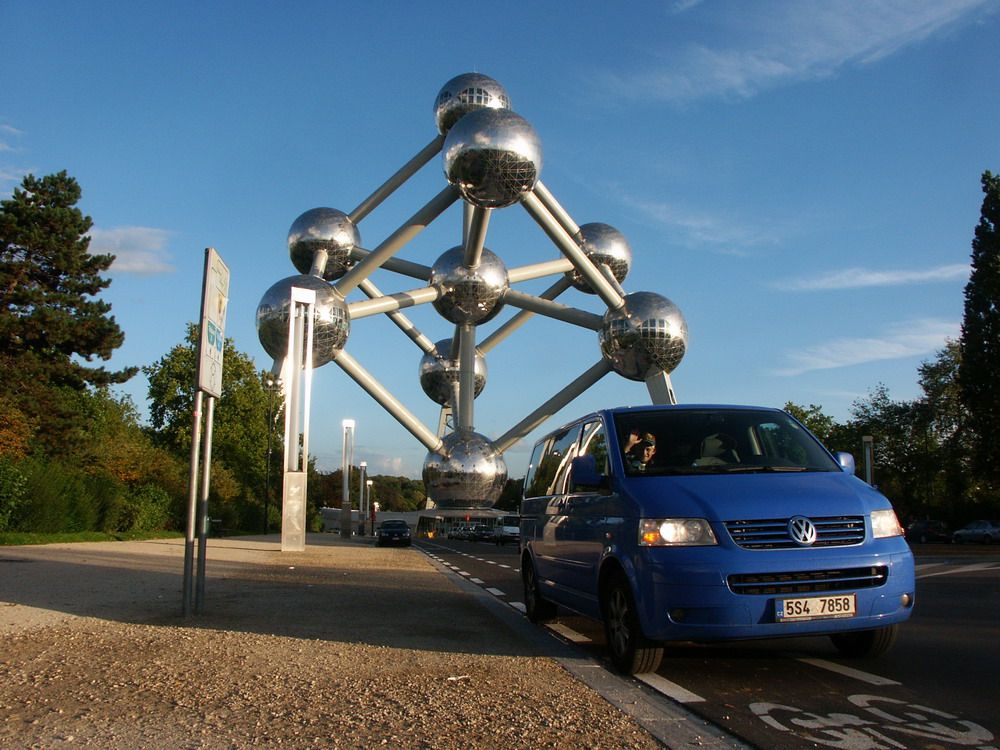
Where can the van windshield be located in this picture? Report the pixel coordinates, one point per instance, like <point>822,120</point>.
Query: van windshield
<point>717,441</point>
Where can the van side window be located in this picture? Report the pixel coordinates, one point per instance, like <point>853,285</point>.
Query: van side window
<point>595,443</point>
<point>547,474</point>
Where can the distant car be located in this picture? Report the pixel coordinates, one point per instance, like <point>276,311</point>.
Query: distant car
<point>508,529</point>
<point>459,532</point>
<point>481,532</point>
<point>985,532</point>
<point>924,531</point>
<point>393,532</point>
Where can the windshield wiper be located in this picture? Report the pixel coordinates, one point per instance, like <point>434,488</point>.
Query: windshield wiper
<point>747,469</point>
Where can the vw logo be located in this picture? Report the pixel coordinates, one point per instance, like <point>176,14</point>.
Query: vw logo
<point>802,530</point>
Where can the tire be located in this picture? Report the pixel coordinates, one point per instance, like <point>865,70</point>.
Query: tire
<point>535,607</point>
<point>865,644</point>
<point>631,652</point>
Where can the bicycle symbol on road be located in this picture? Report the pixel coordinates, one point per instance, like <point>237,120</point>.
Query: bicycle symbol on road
<point>877,729</point>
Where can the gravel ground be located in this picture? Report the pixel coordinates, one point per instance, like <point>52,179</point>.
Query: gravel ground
<point>342,646</point>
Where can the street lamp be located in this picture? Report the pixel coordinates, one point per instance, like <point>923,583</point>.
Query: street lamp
<point>345,497</point>
<point>361,496</point>
<point>368,502</point>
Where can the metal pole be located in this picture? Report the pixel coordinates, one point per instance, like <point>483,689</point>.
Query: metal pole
<point>363,466</point>
<point>405,172</point>
<point>466,375</point>
<point>522,316</point>
<point>552,309</point>
<point>345,466</point>
<point>188,589</point>
<point>206,474</point>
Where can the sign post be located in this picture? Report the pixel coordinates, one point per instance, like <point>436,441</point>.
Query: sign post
<point>208,381</point>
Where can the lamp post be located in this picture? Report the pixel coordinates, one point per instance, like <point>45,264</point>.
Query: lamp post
<point>368,503</point>
<point>345,497</point>
<point>361,496</point>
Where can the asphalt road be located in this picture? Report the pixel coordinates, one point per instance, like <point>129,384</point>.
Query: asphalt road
<point>937,688</point>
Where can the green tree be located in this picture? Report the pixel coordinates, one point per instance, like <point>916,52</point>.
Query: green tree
<point>980,340</point>
<point>52,323</point>
<point>819,424</point>
<point>240,425</point>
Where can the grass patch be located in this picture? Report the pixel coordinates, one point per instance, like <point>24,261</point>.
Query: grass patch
<point>13,538</point>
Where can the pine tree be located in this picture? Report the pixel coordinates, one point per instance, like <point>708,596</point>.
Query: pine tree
<point>980,340</point>
<point>51,321</point>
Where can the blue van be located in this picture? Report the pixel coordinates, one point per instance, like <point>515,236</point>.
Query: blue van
<point>704,523</point>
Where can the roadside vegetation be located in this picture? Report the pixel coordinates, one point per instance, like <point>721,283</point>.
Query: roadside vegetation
<point>77,462</point>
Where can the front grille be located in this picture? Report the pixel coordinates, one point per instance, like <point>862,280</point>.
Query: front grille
<point>772,533</point>
<point>809,581</point>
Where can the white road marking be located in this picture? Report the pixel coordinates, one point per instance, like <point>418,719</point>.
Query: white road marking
<point>961,569</point>
<point>669,689</point>
<point>857,674</point>
<point>496,592</point>
<point>519,606</point>
<point>568,633</point>
<point>477,581</point>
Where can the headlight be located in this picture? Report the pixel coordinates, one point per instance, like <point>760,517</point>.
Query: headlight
<point>885,523</point>
<point>675,532</point>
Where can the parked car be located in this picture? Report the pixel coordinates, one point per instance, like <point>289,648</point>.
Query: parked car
<point>460,532</point>
<point>393,532</point>
<point>986,532</point>
<point>924,531</point>
<point>481,532</point>
<point>709,523</point>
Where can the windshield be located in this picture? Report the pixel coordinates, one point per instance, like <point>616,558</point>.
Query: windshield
<point>715,441</point>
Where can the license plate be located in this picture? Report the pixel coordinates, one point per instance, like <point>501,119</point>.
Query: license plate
<point>815,608</point>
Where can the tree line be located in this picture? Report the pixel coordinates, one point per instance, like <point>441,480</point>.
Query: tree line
<point>74,456</point>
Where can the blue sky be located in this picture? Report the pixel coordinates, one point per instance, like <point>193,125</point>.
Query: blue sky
<point>801,178</point>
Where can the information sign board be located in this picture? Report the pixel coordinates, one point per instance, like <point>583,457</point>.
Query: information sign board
<point>215,299</point>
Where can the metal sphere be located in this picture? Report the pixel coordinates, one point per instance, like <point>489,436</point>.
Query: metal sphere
<point>331,321</point>
<point>323,229</point>
<point>603,244</point>
<point>467,472</point>
<point>646,336</point>
<point>464,94</point>
<point>439,374</point>
<point>469,295</point>
<point>492,156</point>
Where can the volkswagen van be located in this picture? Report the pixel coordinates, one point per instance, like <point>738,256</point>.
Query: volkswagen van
<point>706,523</point>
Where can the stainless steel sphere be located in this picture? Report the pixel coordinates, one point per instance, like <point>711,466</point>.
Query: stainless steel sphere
<point>492,156</point>
<point>331,321</point>
<point>646,336</point>
<point>469,295</point>
<point>464,94</point>
<point>439,374</point>
<point>323,229</point>
<point>468,472</point>
<point>603,244</point>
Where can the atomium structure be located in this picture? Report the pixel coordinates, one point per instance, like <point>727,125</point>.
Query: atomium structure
<point>491,159</point>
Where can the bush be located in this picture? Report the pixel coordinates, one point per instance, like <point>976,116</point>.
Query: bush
<point>147,508</point>
<point>57,499</point>
<point>12,491</point>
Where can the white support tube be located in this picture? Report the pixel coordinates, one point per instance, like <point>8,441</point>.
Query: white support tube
<point>538,270</point>
<point>394,242</point>
<point>387,401</point>
<point>392,302</point>
<point>523,316</point>
<point>552,309</point>
<point>389,187</point>
<point>466,376</point>
<point>476,236</point>
<point>402,322</point>
<point>553,207</point>
<point>567,245</point>
<point>396,265</point>
<point>554,404</point>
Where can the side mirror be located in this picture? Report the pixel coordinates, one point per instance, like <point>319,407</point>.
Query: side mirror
<point>585,476</point>
<point>846,461</point>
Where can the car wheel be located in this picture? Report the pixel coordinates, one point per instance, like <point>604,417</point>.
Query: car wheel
<point>535,607</point>
<point>631,652</point>
<point>865,643</point>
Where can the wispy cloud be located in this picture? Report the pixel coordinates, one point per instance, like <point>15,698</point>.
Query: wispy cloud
<point>137,250</point>
<point>861,278</point>
<point>907,339</point>
<point>788,41</point>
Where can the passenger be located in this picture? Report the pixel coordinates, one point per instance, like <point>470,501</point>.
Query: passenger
<point>640,447</point>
